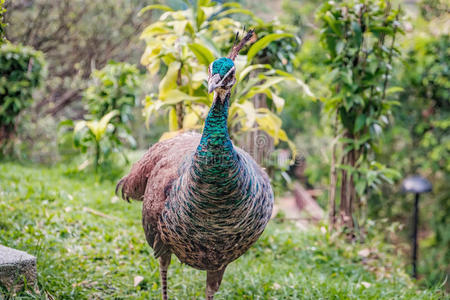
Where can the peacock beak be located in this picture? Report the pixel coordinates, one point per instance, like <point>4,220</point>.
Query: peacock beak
<point>213,83</point>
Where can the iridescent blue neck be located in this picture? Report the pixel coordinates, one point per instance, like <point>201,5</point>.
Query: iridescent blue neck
<point>215,153</point>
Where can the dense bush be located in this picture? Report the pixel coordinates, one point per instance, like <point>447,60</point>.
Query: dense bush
<point>21,71</point>
<point>110,100</point>
<point>419,143</point>
<point>115,87</point>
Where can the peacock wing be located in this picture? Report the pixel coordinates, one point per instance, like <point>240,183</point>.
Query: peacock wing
<point>151,178</point>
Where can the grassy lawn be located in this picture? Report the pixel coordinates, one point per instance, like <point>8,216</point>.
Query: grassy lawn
<point>90,245</point>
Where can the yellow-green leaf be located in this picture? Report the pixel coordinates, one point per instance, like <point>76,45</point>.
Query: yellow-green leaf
<point>98,128</point>
<point>248,113</point>
<point>232,4</point>
<point>190,120</point>
<point>236,11</point>
<point>169,82</point>
<point>169,135</point>
<point>393,90</point>
<point>179,26</point>
<point>278,102</point>
<point>154,66</point>
<point>156,28</point>
<point>154,6</point>
<point>173,123</point>
<point>203,54</point>
<point>305,88</point>
<point>248,69</point>
<point>177,96</point>
<point>200,17</point>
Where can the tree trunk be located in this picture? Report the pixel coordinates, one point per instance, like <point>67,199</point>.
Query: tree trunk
<point>6,135</point>
<point>180,114</point>
<point>179,109</point>
<point>347,188</point>
<point>333,182</point>
<point>258,143</point>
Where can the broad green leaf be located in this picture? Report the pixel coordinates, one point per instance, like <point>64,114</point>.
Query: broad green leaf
<point>381,29</point>
<point>264,42</point>
<point>66,123</point>
<point>203,54</point>
<point>360,122</point>
<point>393,90</point>
<point>331,20</point>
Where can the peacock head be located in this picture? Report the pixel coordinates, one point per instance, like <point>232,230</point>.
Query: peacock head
<point>221,74</point>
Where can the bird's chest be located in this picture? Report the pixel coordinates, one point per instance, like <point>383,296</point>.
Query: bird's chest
<point>205,228</point>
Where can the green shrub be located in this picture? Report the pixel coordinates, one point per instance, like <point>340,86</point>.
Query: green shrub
<point>2,24</point>
<point>95,138</point>
<point>21,71</point>
<point>419,143</point>
<point>115,87</point>
<point>110,101</point>
<point>359,38</point>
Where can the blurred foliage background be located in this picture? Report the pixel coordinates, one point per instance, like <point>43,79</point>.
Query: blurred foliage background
<point>356,93</point>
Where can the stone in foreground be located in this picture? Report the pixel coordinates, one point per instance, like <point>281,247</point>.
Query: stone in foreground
<point>16,268</point>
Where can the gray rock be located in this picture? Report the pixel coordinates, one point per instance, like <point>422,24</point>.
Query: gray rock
<point>16,268</point>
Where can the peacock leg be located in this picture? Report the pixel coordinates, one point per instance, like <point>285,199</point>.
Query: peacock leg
<point>213,280</point>
<point>164,262</point>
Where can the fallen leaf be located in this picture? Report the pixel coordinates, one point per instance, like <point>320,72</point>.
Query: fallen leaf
<point>137,280</point>
<point>364,252</point>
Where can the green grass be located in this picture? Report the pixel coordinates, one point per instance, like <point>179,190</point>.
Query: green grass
<point>90,245</point>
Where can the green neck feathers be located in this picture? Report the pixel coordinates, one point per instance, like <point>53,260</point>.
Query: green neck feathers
<point>215,154</point>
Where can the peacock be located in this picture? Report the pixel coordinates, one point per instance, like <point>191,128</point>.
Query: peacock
<point>204,199</point>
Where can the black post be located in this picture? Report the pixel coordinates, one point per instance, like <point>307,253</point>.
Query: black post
<point>414,237</point>
<point>417,185</point>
